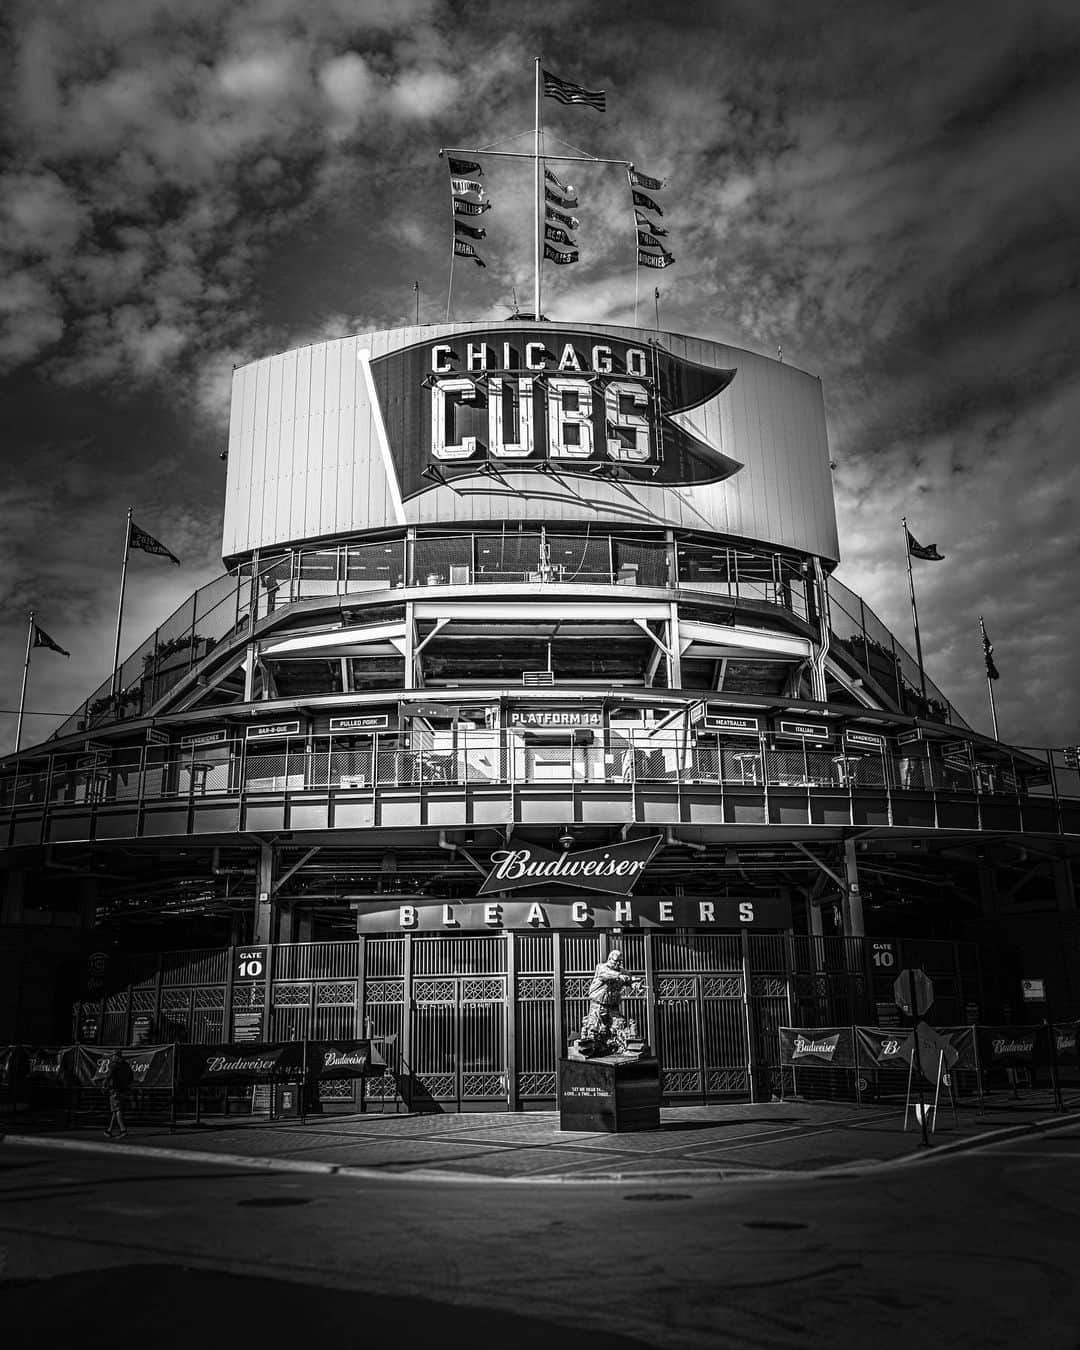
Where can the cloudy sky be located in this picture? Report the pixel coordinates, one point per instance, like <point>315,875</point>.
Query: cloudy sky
<point>890,192</point>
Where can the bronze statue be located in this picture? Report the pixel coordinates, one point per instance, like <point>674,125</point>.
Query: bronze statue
<point>605,1031</point>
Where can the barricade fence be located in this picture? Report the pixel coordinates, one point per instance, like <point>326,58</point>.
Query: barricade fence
<point>67,1085</point>
<point>874,1064</point>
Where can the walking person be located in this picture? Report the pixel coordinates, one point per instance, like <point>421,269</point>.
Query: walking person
<point>118,1078</point>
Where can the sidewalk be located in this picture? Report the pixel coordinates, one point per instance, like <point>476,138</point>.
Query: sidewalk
<point>727,1142</point>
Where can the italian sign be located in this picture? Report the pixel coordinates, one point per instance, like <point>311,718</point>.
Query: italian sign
<point>523,398</point>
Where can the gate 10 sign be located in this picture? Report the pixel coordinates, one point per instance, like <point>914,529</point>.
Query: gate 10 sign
<point>883,956</point>
<point>250,963</point>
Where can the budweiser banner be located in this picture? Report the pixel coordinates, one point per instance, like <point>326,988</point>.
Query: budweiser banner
<point>255,1062</point>
<point>344,1059</point>
<point>9,1055</point>
<point>151,1065</point>
<point>1007,1045</point>
<point>1067,1042</point>
<point>816,1045</point>
<point>614,869</point>
<point>44,1063</point>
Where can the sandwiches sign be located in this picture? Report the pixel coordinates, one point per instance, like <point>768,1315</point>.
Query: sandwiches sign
<point>551,400</point>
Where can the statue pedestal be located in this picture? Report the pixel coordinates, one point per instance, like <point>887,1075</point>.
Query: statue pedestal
<point>609,1095</point>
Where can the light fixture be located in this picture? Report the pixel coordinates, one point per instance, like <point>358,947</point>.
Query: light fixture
<point>566,839</point>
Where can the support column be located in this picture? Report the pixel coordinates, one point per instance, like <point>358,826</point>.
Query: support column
<point>264,904</point>
<point>11,908</point>
<point>674,643</point>
<point>813,914</point>
<point>1064,889</point>
<point>853,915</point>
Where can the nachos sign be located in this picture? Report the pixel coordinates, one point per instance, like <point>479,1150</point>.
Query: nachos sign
<point>546,399</point>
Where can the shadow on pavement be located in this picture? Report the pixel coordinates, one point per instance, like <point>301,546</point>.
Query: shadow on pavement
<point>167,1307</point>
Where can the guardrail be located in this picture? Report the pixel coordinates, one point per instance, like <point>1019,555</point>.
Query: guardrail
<point>479,757</point>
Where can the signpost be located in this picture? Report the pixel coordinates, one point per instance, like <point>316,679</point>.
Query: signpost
<point>914,993</point>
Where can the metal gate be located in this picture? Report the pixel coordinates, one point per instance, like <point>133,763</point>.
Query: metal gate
<point>702,1035</point>
<point>459,1042</point>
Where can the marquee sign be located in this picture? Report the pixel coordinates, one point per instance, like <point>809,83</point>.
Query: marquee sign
<point>541,915</point>
<point>613,869</point>
<point>545,399</point>
<point>554,719</point>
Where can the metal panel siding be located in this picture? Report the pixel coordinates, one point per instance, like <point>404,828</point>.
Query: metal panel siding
<point>305,462</point>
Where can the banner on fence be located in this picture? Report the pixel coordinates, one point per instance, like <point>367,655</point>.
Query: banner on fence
<point>201,1065</point>
<point>344,1059</point>
<point>1005,1046</point>
<point>816,1045</point>
<point>42,1064</point>
<point>151,1065</point>
<point>7,1065</point>
<point>1067,1042</point>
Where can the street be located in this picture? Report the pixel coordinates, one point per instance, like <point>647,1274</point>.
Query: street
<point>975,1249</point>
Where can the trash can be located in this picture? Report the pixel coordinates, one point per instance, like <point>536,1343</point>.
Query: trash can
<point>287,1100</point>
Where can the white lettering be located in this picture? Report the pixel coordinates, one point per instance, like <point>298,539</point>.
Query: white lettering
<point>510,418</point>
<point>666,915</point>
<point>705,911</point>
<point>636,361</point>
<point>601,360</point>
<point>476,356</point>
<point>623,912</point>
<point>407,916</point>
<point>448,917</point>
<point>536,915</point>
<point>569,359</point>
<point>493,913</point>
<point>443,419</point>
<point>569,417</point>
<point>531,349</point>
<point>634,446</point>
<point>579,912</point>
<point>441,359</point>
<point>746,911</point>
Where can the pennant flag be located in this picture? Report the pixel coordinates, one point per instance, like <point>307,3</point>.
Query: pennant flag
<point>647,240</point>
<point>551,196</point>
<point>557,236</point>
<point>463,208</point>
<point>568,191</point>
<point>463,185</point>
<point>463,167</point>
<point>42,639</point>
<point>140,539</point>
<point>988,655</point>
<point>643,180</point>
<point>640,199</point>
<point>655,259</point>
<point>648,225</point>
<point>928,552</point>
<point>471,231</point>
<point>464,250</point>
<point>571,222</point>
<point>566,92</point>
<point>556,257</point>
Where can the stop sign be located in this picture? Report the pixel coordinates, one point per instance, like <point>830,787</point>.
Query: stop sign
<point>924,991</point>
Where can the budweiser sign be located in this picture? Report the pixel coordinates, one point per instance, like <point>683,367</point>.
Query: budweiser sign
<point>613,869</point>
<point>822,1048</point>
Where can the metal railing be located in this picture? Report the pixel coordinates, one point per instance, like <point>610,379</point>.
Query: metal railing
<point>477,756</point>
<point>232,603</point>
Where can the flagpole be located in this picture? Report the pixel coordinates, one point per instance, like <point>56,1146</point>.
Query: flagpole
<point>538,222</point>
<point>914,610</point>
<point>989,681</point>
<point>25,673</point>
<point>120,606</point>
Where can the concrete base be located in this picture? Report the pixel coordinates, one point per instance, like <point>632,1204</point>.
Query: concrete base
<point>609,1095</point>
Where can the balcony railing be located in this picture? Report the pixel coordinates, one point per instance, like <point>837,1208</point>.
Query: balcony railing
<point>480,757</point>
<point>232,603</point>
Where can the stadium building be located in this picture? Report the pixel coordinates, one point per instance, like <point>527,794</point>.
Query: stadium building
<point>528,647</point>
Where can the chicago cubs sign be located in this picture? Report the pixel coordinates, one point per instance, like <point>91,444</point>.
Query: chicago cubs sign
<point>545,399</point>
